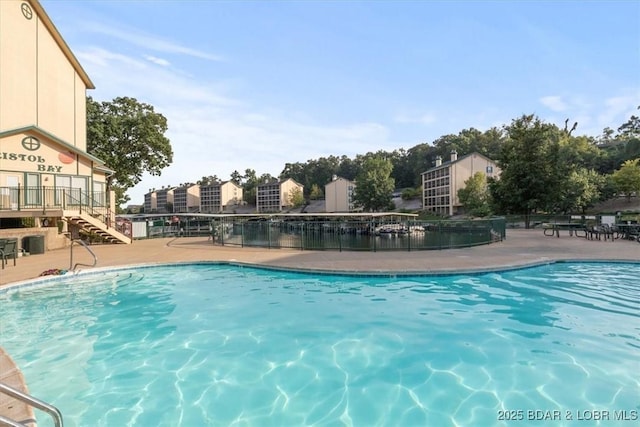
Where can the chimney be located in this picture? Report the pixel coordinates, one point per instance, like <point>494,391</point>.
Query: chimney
<point>438,161</point>
<point>454,155</point>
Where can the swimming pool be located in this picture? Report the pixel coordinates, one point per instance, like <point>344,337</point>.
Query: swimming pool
<point>219,345</point>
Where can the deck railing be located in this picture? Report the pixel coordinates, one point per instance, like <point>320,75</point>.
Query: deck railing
<point>47,198</point>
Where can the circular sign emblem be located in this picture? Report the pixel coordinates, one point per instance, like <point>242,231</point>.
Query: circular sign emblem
<point>30,143</point>
<point>26,11</point>
<point>66,158</point>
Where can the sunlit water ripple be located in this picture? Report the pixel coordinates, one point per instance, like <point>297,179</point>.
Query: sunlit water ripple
<point>218,345</point>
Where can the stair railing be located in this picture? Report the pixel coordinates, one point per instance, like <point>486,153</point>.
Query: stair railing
<point>31,401</point>
<point>72,266</point>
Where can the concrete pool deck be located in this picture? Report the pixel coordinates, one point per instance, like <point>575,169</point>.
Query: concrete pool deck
<point>520,249</point>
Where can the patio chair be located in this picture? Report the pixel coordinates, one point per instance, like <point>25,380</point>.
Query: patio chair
<point>607,231</point>
<point>592,232</point>
<point>9,250</point>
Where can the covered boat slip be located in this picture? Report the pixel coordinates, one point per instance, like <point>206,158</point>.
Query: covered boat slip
<point>335,231</point>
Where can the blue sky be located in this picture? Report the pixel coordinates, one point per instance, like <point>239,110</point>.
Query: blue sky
<point>257,84</point>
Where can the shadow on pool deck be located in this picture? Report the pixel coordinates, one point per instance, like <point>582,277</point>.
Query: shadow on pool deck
<point>521,248</point>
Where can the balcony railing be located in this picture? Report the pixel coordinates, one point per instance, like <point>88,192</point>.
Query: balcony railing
<point>50,198</point>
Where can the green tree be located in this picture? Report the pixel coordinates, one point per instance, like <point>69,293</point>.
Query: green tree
<point>250,182</point>
<point>627,178</point>
<point>580,191</point>
<point>411,193</point>
<point>475,195</point>
<point>529,160</point>
<point>374,184</point>
<point>316,192</point>
<point>236,177</point>
<point>129,137</point>
<point>296,197</point>
<point>208,180</point>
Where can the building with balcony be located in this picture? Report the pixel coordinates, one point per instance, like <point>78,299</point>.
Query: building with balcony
<point>338,195</point>
<point>441,183</point>
<point>164,200</point>
<point>274,196</point>
<point>150,202</point>
<point>216,198</point>
<point>46,174</point>
<point>186,198</point>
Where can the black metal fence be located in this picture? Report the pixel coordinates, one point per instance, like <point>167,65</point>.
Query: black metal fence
<point>349,235</point>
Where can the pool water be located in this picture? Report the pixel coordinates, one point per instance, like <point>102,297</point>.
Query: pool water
<point>220,345</point>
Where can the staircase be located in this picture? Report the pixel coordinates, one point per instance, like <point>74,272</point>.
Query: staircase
<point>91,224</point>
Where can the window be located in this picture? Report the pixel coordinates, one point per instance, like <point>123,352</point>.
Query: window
<point>99,195</point>
<point>71,190</point>
<point>32,191</point>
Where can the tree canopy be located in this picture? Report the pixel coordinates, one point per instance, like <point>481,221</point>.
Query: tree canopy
<point>529,161</point>
<point>475,196</point>
<point>129,137</point>
<point>374,185</point>
<point>627,178</point>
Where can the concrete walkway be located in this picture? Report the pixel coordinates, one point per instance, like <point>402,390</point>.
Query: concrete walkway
<point>521,248</point>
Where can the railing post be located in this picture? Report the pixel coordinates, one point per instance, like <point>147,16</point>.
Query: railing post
<point>19,196</point>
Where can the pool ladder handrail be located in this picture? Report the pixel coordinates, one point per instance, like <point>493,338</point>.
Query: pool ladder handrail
<point>72,267</point>
<point>31,401</point>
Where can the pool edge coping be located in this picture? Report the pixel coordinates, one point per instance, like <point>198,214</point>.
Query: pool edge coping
<point>41,280</point>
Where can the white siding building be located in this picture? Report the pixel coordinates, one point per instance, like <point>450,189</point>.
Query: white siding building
<point>441,183</point>
<point>338,195</point>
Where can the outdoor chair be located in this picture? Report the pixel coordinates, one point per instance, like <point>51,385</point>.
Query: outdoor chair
<point>615,230</point>
<point>593,232</point>
<point>607,231</point>
<point>9,250</point>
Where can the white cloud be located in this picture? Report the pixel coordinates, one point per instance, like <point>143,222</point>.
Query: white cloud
<point>149,42</point>
<point>156,60</point>
<point>554,103</point>
<point>212,132</point>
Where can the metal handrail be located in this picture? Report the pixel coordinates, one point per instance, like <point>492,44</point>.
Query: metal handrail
<point>95,258</point>
<point>32,401</point>
<point>4,421</point>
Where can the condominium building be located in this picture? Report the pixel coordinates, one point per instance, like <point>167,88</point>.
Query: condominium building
<point>150,202</point>
<point>217,197</point>
<point>274,196</point>
<point>164,200</point>
<point>441,183</point>
<point>46,174</point>
<point>186,198</point>
<point>338,195</point>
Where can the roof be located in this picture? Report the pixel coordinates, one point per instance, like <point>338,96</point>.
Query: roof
<point>46,21</point>
<point>39,131</point>
<point>279,182</point>
<point>449,163</point>
<point>339,178</point>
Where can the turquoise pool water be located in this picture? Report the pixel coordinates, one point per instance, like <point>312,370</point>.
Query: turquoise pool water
<point>219,345</point>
